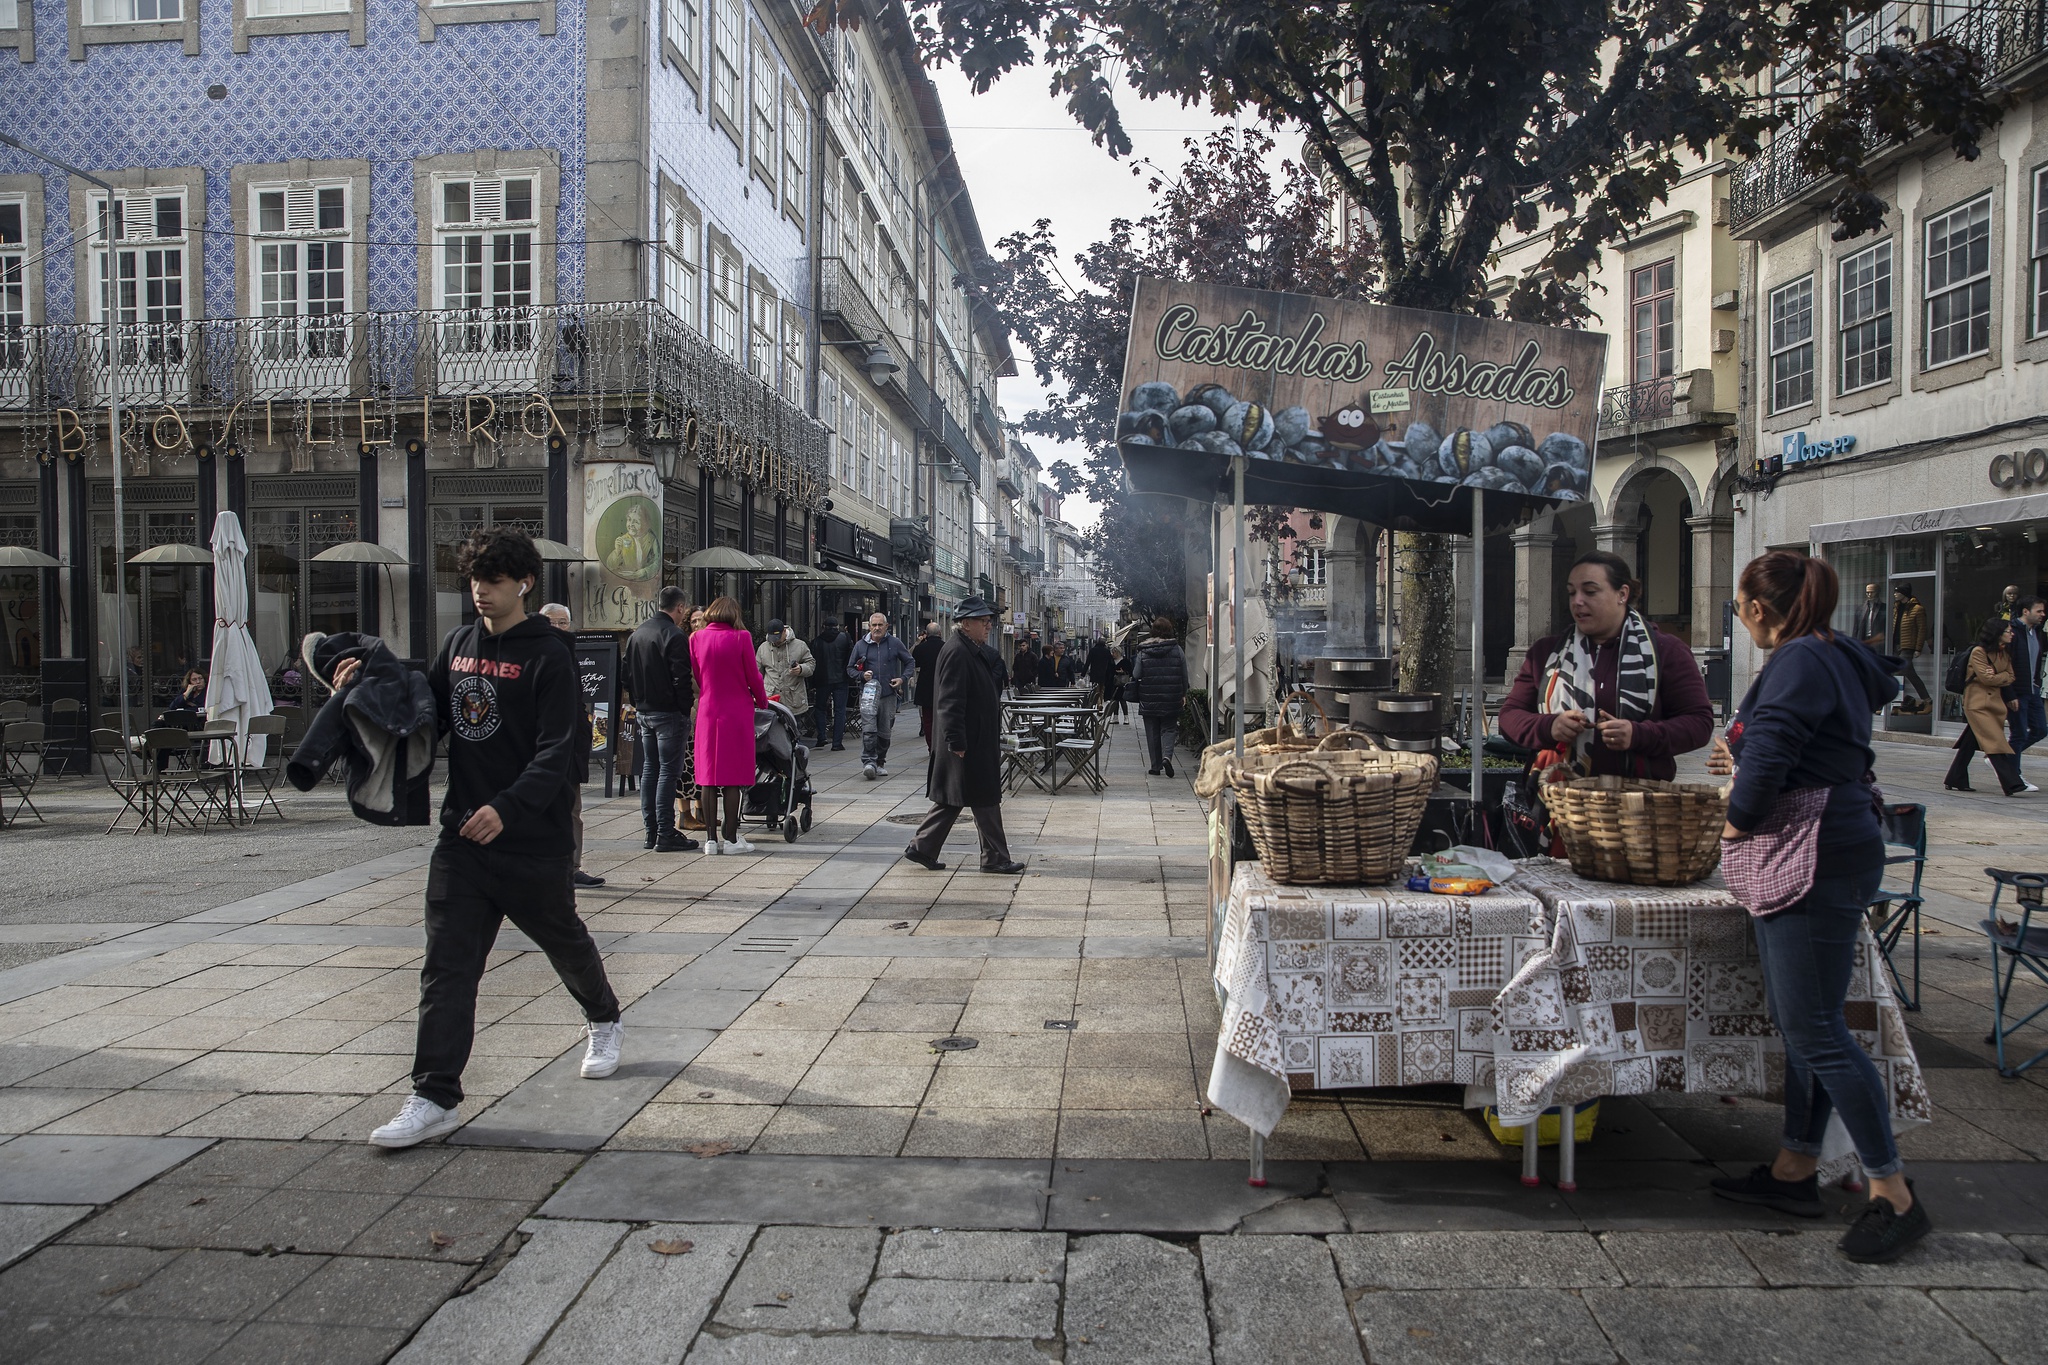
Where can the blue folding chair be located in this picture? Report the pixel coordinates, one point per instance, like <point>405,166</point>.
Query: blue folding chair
<point>1894,912</point>
<point>2012,947</point>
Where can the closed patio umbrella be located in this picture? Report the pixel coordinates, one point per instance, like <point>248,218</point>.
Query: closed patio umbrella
<point>21,557</point>
<point>236,689</point>
<point>721,559</point>
<point>555,552</point>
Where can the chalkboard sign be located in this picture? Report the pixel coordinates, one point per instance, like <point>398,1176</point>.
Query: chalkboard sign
<point>597,668</point>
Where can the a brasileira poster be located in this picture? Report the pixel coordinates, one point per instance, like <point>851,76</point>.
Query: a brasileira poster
<point>1313,390</point>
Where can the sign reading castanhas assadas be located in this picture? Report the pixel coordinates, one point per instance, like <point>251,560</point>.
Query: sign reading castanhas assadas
<point>1358,387</point>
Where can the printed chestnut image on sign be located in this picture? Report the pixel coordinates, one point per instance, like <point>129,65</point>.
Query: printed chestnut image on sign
<point>1357,388</point>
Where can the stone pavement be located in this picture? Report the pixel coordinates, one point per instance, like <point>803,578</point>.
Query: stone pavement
<point>191,1089</point>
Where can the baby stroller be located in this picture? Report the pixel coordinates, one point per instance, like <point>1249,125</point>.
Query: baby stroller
<point>782,772</point>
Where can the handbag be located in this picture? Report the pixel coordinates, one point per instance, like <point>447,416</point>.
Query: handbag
<point>1773,868</point>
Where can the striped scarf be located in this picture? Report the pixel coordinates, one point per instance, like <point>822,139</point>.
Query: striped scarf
<point>1568,685</point>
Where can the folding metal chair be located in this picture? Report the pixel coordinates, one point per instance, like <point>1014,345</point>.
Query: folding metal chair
<point>21,764</point>
<point>1895,912</point>
<point>187,789</point>
<point>2015,945</point>
<point>13,709</point>
<point>128,777</point>
<point>263,776</point>
<point>1081,753</point>
<point>1026,755</point>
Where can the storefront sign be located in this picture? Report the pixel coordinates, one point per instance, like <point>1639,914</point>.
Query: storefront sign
<point>1359,389</point>
<point>1797,450</point>
<point>597,672</point>
<point>2019,469</point>
<point>622,531</point>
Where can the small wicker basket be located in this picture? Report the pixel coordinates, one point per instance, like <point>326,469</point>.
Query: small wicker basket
<point>1335,817</point>
<point>1638,830</point>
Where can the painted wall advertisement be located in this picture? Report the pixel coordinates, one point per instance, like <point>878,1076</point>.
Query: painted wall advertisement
<point>622,532</point>
<point>1315,392</point>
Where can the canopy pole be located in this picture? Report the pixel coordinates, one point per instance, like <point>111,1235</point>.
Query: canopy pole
<point>1237,562</point>
<point>1475,731</point>
<point>110,284</point>
<point>1215,610</point>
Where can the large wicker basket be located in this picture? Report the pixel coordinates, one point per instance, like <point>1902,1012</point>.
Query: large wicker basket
<point>1334,817</point>
<point>1639,830</point>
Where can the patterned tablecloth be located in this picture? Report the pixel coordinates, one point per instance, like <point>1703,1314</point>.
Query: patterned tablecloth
<point>1546,989</point>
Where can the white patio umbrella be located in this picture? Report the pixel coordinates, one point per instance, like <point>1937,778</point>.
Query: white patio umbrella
<point>236,688</point>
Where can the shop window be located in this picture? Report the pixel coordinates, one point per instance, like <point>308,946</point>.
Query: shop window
<point>680,226</point>
<point>1653,329</point>
<point>1865,314</point>
<point>1791,324</point>
<point>295,595</point>
<point>449,526</point>
<point>300,257</point>
<point>1958,289</point>
<point>2037,323</point>
<point>485,230</point>
<point>21,632</point>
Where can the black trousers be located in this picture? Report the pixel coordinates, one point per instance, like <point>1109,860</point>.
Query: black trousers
<point>988,823</point>
<point>2007,766</point>
<point>470,892</point>
<point>1160,734</point>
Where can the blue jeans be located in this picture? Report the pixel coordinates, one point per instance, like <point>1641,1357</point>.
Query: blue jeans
<point>662,737</point>
<point>1808,952</point>
<point>832,702</point>
<point>2029,724</point>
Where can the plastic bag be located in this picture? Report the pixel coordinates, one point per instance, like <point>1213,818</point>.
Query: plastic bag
<point>870,698</point>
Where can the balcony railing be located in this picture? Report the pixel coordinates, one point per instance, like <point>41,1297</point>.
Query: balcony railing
<point>2004,35</point>
<point>1673,403</point>
<point>588,361</point>
<point>842,299</point>
<point>1633,404</point>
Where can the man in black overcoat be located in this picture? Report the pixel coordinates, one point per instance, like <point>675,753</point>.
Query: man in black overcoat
<point>967,760</point>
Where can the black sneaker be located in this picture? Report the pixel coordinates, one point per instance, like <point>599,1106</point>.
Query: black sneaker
<point>676,843</point>
<point>1800,1198</point>
<point>650,839</point>
<point>1880,1235</point>
<point>583,878</point>
<point>929,864</point>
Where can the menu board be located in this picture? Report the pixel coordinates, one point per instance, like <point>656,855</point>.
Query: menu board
<point>597,669</point>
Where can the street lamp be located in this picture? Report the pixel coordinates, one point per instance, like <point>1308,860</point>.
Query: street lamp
<point>875,356</point>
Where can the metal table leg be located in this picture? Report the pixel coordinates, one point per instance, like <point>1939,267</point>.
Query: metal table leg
<point>1529,1175</point>
<point>1567,1137</point>
<point>1258,1175</point>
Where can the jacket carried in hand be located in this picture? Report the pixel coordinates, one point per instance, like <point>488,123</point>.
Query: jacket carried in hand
<point>656,667</point>
<point>784,668</point>
<point>381,725</point>
<point>513,704</point>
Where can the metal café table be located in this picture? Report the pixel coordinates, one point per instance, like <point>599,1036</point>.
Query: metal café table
<point>1548,990</point>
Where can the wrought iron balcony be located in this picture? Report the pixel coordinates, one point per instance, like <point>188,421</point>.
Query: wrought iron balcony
<point>586,360</point>
<point>1675,405</point>
<point>1632,404</point>
<point>2006,36</point>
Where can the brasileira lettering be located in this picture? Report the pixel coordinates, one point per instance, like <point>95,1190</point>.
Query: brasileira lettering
<point>1428,367</point>
<point>1247,345</point>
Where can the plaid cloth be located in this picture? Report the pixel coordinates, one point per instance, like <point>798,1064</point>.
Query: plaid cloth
<point>1773,868</point>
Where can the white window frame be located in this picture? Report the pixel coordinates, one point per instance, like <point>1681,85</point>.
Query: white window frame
<point>764,311</point>
<point>681,249</point>
<point>727,65</point>
<point>724,306</point>
<point>15,302</point>
<point>1784,347</point>
<point>796,152</point>
<point>791,323</point>
<point>1970,216</point>
<point>764,107</point>
<point>1863,306</point>
<point>849,427</point>
<point>292,9</point>
<point>2037,264</point>
<point>487,334</point>
<point>157,317</point>
<point>300,286</point>
<point>679,27</point>
<point>98,13</point>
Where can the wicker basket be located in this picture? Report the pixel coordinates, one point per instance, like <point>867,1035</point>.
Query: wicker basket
<point>1278,739</point>
<point>1651,833</point>
<point>1336,817</point>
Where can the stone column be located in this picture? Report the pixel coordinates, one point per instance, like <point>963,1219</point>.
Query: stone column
<point>1618,538</point>
<point>1351,572</point>
<point>1713,574</point>
<point>1536,570</point>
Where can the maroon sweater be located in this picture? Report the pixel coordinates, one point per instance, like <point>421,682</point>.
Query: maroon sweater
<point>1681,718</point>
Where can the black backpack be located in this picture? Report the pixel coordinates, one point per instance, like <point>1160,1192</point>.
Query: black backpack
<point>1958,675</point>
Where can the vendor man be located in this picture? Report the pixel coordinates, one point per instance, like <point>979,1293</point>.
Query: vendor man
<point>1615,694</point>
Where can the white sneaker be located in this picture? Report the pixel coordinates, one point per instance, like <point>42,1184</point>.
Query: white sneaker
<point>602,1057</point>
<point>420,1121</point>
<point>739,845</point>
<point>2026,787</point>
<point>880,772</point>
<point>870,770</point>
<point>713,846</point>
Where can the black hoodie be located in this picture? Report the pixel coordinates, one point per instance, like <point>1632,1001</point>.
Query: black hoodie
<point>510,705</point>
<point>1806,723</point>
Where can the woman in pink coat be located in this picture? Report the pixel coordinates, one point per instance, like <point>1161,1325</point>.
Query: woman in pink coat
<point>728,690</point>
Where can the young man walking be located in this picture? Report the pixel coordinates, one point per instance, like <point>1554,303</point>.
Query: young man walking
<point>883,658</point>
<point>505,687</point>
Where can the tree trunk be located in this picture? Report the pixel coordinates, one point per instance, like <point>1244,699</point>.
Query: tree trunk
<point>1429,613</point>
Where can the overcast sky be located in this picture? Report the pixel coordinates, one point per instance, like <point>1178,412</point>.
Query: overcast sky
<point>1025,158</point>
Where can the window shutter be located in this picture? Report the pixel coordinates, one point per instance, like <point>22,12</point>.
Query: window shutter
<point>138,218</point>
<point>300,211</point>
<point>487,201</point>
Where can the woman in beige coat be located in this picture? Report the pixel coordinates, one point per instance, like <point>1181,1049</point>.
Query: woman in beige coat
<point>1985,707</point>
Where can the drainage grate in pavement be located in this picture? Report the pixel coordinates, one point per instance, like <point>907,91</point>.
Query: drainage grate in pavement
<point>955,1043</point>
<point>1068,1024</point>
<point>766,945</point>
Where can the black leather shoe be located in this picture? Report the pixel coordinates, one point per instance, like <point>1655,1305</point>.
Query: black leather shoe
<point>676,843</point>
<point>583,878</point>
<point>1004,869</point>
<point>1800,1198</point>
<point>650,839</point>
<point>929,864</point>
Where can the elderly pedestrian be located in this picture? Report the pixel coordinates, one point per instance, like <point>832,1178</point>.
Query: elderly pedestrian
<point>729,688</point>
<point>966,768</point>
<point>786,662</point>
<point>884,660</point>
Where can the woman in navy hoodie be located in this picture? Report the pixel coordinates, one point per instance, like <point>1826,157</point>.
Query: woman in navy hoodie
<point>1804,725</point>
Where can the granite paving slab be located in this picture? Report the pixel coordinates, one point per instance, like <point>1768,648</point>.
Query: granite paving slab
<point>48,1169</point>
